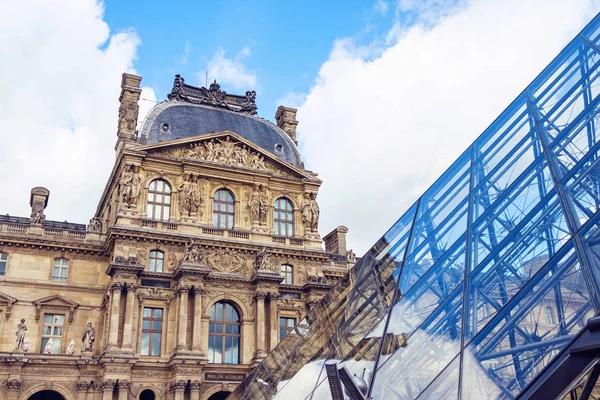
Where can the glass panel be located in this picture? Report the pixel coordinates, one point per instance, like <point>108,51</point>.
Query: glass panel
<point>156,325</point>
<point>158,313</point>
<point>218,357</point>
<point>159,266</point>
<point>228,350</point>
<point>146,324</point>
<point>156,344</point>
<point>48,318</point>
<point>147,312</point>
<point>145,344</point>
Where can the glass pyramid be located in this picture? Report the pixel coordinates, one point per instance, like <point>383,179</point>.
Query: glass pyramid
<point>487,277</point>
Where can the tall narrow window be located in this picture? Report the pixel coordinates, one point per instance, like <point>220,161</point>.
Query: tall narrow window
<point>283,217</point>
<point>549,315</point>
<point>60,270</point>
<point>151,331</point>
<point>286,326</point>
<point>287,273</point>
<point>52,329</point>
<point>224,334</point>
<point>159,200</point>
<point>223,209</point>
<point>156,261</point>
<point>3,262</point>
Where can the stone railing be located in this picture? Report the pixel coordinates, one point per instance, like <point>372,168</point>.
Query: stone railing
<point>38,230</point>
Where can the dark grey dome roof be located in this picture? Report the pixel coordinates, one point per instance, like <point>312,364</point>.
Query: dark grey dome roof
<point>172,120</point>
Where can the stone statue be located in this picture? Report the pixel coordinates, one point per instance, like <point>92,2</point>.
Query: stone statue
<point>192,253</point>
<point>49,347</point>
<point>71,348</point>
<point>196,200</point>
<point>95,225</point>
<point>254,204</point>
<point>264,205</point>
<point>350,256</point>
<point>307,212</point>
<point>171,262</point>
<point>263,261</point>
<point>185,196</point>
<point>130,185</point>
<point>87,338</point>
<point>37,217</point>
<point>20,333</point>
<point>315,212</point>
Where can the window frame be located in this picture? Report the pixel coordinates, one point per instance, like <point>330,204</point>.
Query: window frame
<point>3,263</point>
<point>153,260</point>
<point>288,273</point>
<point>286,327</point>
<point>220,209</point>
<point>64,264</point>
<point>151,332</point>
<point>155,209</point>
<point>283,217</point>
<point>56,348</point>
<point>224,323</point>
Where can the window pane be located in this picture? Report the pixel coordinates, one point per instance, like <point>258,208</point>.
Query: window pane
<point>158,313</point>
<point>150,211</point>
<point>159,198</point>
<point>58,330</point>
<point>63,273</point>
<point>47,330</point>
<point>147,312</point>
<point>156,344</point>
<point>159,266</point>
<point>2,267</point>
<point>150,196</point>
<point>3,256</point>
<point>219,312</point>
<point>159,186</point>
<point>230,208</point>
<point>215,219</point>
<point>230,221</point>
<point>145,343</point>
<point>146,324</point>
<point>157,326</point>
<point>218,349</point>
<point>43,344</point>
<point>166,212</point>
<point>228,313</point>
<point>48,318</point>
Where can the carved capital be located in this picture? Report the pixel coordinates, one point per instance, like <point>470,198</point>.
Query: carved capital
<point>178,385</point>
<point>273,296</point>
<point>196,385</point>
<point>132,287</point>
<point>82,386</point>
<point>108,384</point>
<point>199,290</point>
<point>14,384</point>
<point>260,296</point>
<point>182,289</point>
<point>124,385</point>
<point>117,286</point>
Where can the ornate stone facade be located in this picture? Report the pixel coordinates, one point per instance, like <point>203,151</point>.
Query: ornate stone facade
<point>124,304</point>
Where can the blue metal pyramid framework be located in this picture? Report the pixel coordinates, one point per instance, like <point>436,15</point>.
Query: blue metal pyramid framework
<point>487,277</point>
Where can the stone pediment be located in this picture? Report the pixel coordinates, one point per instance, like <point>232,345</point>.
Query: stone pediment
<point>55,302</point>
<point>7,301</point>
<point>226,148</point>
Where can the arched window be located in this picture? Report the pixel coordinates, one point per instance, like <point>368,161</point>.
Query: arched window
<point>287,273</point>
<point>283,217</point>
<point>156,261</point>
<point>223,209</point>
<point>159,200</point>
<point>224,334</point>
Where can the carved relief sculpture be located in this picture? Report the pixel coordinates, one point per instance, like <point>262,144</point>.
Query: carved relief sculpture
<point>310,212</point>
<point>254,205</point>
<point>171,262</point>
<point>128,114</point>
<point>192,253</point>
<point>190,197</point>
<point>315,212</point>
<point>26,345</point>
<point>350,256</point>
<point>71,348</point>
<point>227,260</point>
<point>37,217</point>
<point>20,333</point>
<point>87,338</point>
<point>95,225</point>
<point>263,262</point>
<point>264,205</point>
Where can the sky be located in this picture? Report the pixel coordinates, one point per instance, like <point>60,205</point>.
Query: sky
<point>388,93</point>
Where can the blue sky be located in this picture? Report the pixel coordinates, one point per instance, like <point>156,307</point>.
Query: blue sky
<point>287,41</point>
<point>389,93</point>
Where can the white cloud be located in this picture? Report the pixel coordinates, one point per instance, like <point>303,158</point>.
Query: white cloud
<point>381,7</point>
<point>381,130</point>
<point>291,99</point>
<point>59,73</point>
<point>230,71</point>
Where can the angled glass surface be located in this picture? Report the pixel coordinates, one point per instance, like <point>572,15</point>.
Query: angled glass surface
<point>487,277</point>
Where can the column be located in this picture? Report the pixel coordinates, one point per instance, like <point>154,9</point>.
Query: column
<point>107,388</point>
<point>115,306</point>
<point>124,389</point>
<point>274,321</point>
<point>178,388</point>
<point>195,388</point>
<point>13,387</point>
<point>82,388</point>
<point>182,318</point>
<point>91,393</point>
<point>129,311</point>
<point>197,335</point>
<point>260,325</point>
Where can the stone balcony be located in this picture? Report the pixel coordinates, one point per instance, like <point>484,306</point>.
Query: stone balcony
<point>52,230</point>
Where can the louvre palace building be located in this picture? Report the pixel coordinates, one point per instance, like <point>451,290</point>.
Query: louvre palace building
<point>202,254</point>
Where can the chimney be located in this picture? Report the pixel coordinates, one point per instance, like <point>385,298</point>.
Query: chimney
<point>286,120</point>
<point>335,241</point>
<point>38,202</point>
<point>128,109</point>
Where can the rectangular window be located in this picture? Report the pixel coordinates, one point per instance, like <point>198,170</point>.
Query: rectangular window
<point>287,274</point>
<point>61,267</point>
<point>151,331</point>
<point>549,315</point>
<point>286,326</point>
<point>52,330</point>
<point>3,258</point>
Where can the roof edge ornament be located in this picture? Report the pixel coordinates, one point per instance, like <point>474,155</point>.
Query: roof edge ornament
<point>213,96</point>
